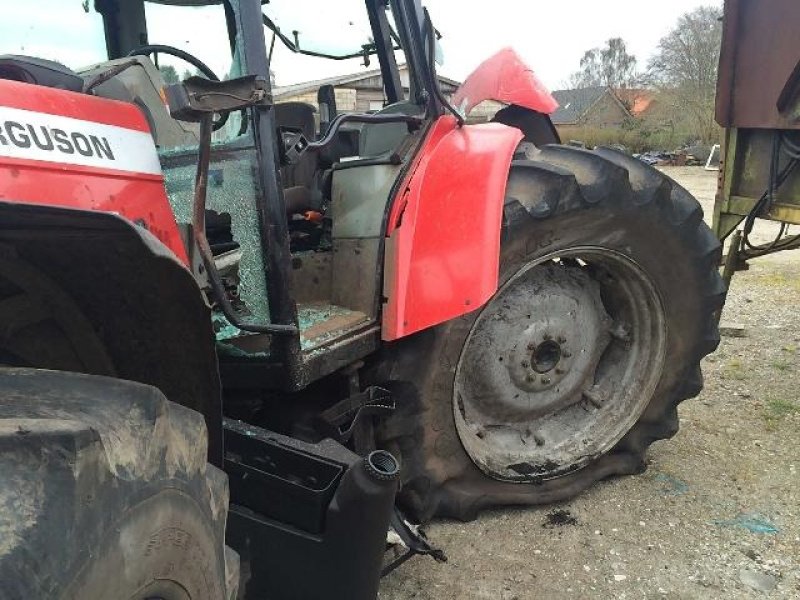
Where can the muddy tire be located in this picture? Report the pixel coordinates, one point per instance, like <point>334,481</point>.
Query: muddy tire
<point>607,301</point>
<point>105,493</point>
<point>41,326</point>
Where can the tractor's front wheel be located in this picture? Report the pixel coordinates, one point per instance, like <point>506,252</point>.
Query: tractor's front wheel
<point>606,305</point>
<point>105,493</point>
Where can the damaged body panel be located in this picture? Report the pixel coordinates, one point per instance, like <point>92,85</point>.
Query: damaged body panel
<point>505,78</point>
<point>444,230</point>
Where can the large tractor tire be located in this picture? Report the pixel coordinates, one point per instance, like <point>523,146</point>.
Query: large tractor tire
<point>40,325</point>
<point>104,488</point>
<point>105,494</point>
<point>607,302</point>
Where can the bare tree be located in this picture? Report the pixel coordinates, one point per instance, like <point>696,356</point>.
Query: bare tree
<point>609,65</point>
<point>684,68</point>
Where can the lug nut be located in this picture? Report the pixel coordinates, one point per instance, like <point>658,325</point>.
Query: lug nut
<point>531,347</point>
<point>545,380</point>
<point>530,378</point>
<point>566,353</point>
<point>547,337</point>
<point>559,371</point>
<point>561,339</point>
<point>525,364</point>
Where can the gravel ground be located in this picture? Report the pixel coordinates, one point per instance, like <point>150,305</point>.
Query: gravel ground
<point>715,515</point>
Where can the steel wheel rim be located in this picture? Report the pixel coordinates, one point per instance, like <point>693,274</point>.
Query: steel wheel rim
<point>559,365</point>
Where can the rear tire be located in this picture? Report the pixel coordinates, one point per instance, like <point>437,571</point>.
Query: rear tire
<point>560,202</point>
<point>105,493</point>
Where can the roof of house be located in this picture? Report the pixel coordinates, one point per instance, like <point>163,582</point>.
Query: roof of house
<point>285,91</point>
<point>574,104</point>
<point>637,100</point>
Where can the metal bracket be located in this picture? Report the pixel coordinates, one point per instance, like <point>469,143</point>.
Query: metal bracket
<point>341,420</point>
<point>195,97</point>
<point>412,538</point>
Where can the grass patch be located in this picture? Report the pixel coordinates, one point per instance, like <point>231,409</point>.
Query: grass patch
<point>781,365</point>
<point>734,369</point>
<point>778,409</point>
<point>634,136</point>
<point>779,279</point>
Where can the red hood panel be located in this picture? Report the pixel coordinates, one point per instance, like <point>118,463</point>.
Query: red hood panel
<point>75,150</point>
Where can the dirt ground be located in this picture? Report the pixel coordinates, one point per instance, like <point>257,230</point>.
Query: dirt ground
<point>717,514</point>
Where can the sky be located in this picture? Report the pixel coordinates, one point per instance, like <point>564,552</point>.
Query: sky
<point>551,36</point>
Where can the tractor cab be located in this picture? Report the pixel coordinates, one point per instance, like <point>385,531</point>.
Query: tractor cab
<point>296,236</point>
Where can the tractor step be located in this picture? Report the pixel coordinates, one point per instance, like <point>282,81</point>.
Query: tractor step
<point>322,324</point>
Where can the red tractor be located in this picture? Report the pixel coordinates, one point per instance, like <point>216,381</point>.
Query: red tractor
<point>305,298</point>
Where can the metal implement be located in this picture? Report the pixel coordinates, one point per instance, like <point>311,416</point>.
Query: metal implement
<point>757,104</point>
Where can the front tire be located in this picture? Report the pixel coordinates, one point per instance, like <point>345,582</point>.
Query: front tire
<point>105,493</point>
<point>607,302</point>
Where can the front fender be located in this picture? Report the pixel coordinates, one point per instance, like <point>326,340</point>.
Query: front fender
<point>505,78</point>
<point>443,246</point>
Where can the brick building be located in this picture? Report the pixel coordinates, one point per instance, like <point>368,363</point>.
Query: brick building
<point>363,92</point>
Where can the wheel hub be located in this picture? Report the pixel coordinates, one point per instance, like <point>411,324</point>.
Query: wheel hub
<point>547,344</point>
<point>559,365</point>
<point>547,355</point>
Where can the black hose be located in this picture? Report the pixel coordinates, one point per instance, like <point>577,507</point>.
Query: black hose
<point>335,125</point>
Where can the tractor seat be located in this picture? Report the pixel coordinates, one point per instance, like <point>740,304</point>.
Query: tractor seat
<point>380,138</point>
<point>298,116</point>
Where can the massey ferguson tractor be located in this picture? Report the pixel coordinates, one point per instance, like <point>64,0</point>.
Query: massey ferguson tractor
<point>205,294</point>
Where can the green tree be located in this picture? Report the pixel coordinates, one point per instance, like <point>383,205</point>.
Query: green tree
<point>169,74</point>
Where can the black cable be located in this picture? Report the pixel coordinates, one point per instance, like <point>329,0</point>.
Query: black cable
<point>780,143</point>
<point>201,241</point>
<point>339,120</point>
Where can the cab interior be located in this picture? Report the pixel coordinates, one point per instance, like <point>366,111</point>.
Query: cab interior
<point>336,198</point>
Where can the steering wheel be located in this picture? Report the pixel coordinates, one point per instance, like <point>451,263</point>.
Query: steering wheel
<point>192,60</point>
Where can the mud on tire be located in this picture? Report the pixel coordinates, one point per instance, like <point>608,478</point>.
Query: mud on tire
<point>558,199</point>
<point>105,493</point>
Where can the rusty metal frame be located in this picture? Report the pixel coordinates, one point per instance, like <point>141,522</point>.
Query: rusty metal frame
<point>758,56</point>
<point>732,205</point>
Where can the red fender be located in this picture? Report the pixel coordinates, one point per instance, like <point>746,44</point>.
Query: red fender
<point>443,246</point>
<point>79,151</point>
<point>506,78</point>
